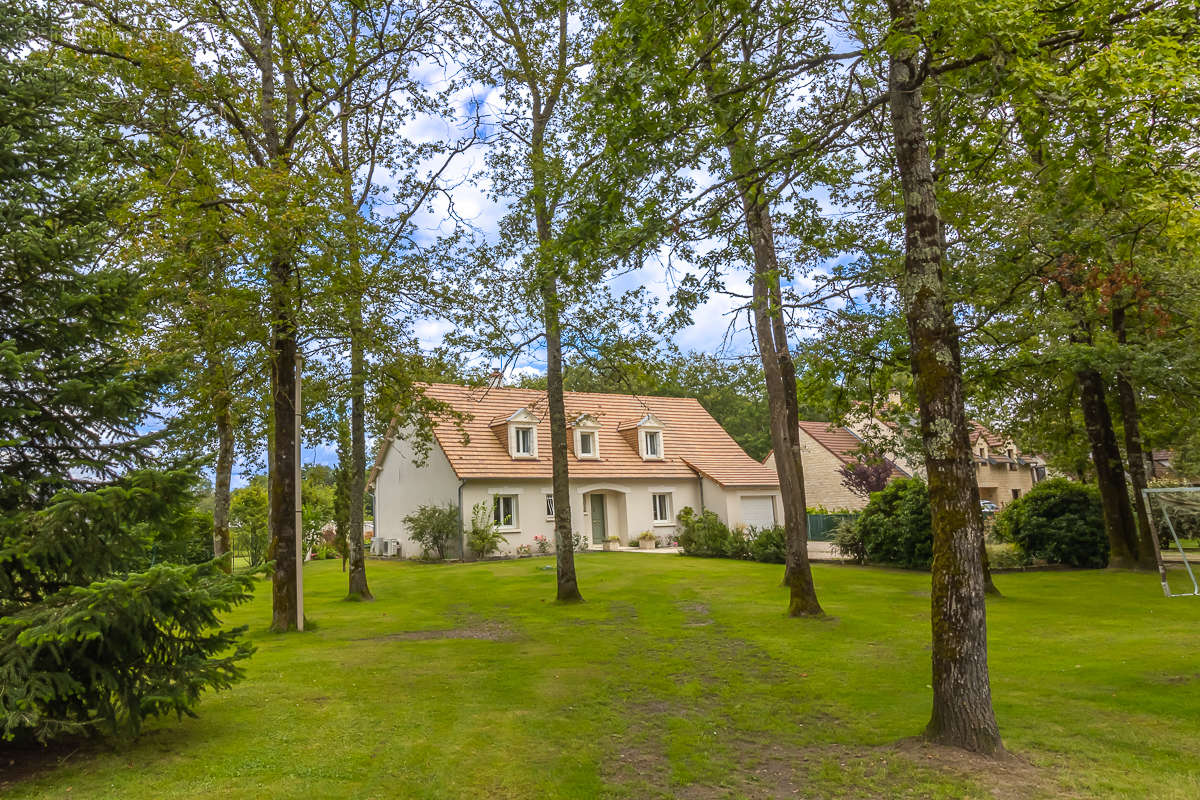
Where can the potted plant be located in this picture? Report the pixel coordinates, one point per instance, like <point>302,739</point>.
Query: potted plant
<point>646,541</point>
<point>612,543</point>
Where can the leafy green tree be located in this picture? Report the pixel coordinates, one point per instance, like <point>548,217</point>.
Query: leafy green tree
<point>318,491</point>
<point>249,512</point>
<point>205,323</point>
<point>741,92</point>
<point>86,642</point>
<point>267,93</point>
<point>548,256</point>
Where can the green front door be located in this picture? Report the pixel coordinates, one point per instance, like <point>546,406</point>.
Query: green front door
<point>597,518</point>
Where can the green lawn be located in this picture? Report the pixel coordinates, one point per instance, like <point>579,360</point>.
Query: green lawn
<point>679,677</point>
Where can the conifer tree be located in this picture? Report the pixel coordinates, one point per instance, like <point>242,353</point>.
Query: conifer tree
<point>86,643</point>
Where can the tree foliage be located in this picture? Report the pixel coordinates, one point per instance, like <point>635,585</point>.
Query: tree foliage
<point>865,477</point>
<point>87,642</point>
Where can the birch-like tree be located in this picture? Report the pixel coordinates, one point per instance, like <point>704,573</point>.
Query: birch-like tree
<point>530,57</point>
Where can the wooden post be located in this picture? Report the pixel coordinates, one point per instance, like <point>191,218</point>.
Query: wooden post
<point>299,510</point>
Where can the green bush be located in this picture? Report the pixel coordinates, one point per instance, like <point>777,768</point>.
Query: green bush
<point>1004,556</point>
<point>848,542</point>
<point>86,644</point>
<point>433,527</point>
<point>484,537</point>
<point>895,526</point>
<point>705,535</point>
<point>1058,521</point>
<point>769,545</point>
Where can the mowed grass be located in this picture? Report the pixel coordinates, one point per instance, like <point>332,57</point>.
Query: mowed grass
<point>678,677</point>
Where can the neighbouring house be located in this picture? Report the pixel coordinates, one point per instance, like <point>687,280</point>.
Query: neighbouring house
<point>1160,465</point>
<point>825,448</point>
<point>1002,472</point>
<point>634,462</point>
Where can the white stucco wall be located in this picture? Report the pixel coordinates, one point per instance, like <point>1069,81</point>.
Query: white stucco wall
<point>715,500</point>
<point>401,486</point>
<point>627,506</point>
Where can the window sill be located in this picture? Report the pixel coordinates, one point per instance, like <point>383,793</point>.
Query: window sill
<point>663,524</point>
<point>509,530</point>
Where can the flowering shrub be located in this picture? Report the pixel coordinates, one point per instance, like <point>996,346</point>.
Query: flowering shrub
<point>542,544</point>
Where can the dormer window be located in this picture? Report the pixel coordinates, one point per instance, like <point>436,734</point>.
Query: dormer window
<point>587,437</point>
<point>649,432</point>
<point>522,434</point>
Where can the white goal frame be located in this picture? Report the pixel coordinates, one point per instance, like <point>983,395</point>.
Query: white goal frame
<point>1149,494</point>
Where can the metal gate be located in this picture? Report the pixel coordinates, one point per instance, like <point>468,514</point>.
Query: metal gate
<point>822,526</point>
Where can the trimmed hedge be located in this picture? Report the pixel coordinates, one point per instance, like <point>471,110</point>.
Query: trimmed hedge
<point>1059,521</point>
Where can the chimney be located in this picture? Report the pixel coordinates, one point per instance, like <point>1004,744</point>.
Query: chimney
<point>496,379</point>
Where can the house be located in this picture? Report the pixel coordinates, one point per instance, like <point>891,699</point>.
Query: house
<point>633,462</point>
<point>1002,472</point>
<point>825,448</point>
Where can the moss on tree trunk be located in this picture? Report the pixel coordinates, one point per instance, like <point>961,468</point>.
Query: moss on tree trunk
<point>962,701</point>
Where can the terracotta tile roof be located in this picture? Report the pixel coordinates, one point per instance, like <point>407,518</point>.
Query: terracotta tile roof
<point>692,440</point>
<point>978,432</point>
<point>839,441</point>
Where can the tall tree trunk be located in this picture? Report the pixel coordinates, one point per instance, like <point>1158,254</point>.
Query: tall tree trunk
<point>568,584</point>
<point>782,404</point>
<point>541,112</point>
<point>222,480</point>
<point>771,336</point>
<point>1110,473</point>
<point>989,586</point>
<point>358,461</point>
<point>284,602</point>
<point>1147,552</point>
<point>962,698</point>
<point>358,589</point>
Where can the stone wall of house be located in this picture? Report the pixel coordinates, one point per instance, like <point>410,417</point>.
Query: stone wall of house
<point>997,481</point>
<point>822,482</point>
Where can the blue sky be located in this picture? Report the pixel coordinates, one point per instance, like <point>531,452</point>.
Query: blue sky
<point>711,330</point>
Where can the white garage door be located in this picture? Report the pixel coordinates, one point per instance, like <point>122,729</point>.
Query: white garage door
<point>758,512</point>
